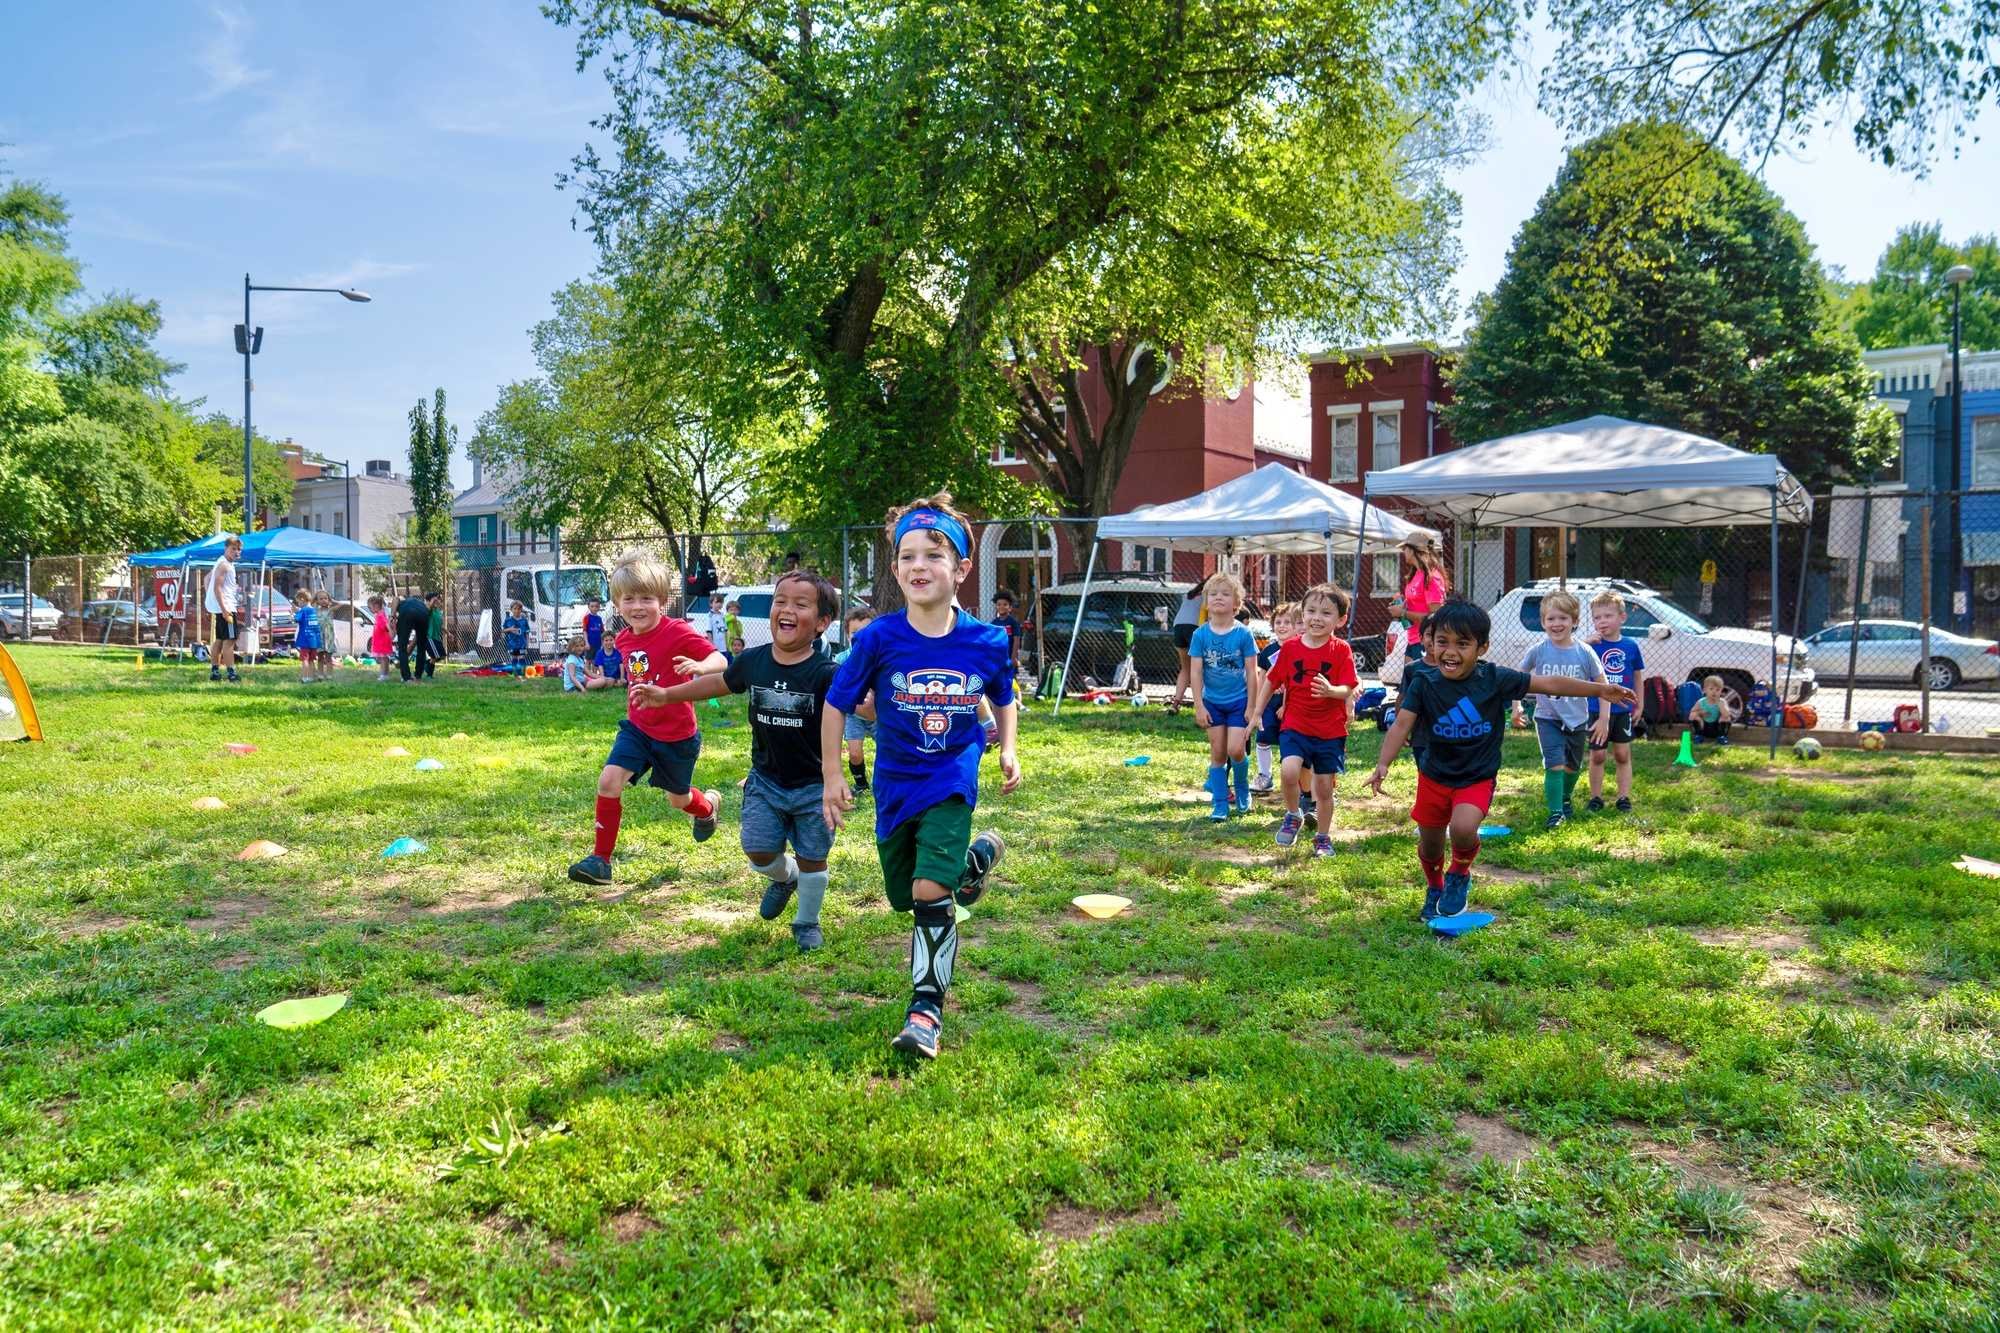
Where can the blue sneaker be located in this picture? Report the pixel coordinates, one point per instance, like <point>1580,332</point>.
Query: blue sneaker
<point>808,938</point>
<point>1322,845</point>
<point>1457,888</point>
<point>919,1036</point>
<point>591,869</point>
<point>1243,800</point>
<point>1220,811</point>
<point>776,895</point>
<point>1288,829</point>
<point>1430,910</point>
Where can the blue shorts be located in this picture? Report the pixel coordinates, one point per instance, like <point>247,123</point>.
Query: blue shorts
<point>670,762</point>
<point>854,728</point>
<point>774,816</point>
<point>1267,730</point>
<point>1562,746</point>
<point>1321,754</point>
<point>1227,715</point>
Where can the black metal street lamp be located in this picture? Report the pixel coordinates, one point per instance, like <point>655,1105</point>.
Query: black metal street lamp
<point>250,341</point>
<point>1957,276</point>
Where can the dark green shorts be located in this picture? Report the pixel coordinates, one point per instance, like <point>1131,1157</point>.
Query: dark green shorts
<point>931,846</point>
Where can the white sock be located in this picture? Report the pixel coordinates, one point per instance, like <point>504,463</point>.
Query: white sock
<point>782,869</point>
<point>812,892</point>
<point>1263,762</point>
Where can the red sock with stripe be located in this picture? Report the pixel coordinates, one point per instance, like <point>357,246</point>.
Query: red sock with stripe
<point>1461,861</point>
<point>609,810</point>
<point>698,806</point>
<point>1433,871</point>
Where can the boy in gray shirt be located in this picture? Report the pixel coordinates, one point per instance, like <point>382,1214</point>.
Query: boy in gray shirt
<point>1561,722</point>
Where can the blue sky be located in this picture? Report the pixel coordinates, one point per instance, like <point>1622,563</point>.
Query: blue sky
<point>411,149</point>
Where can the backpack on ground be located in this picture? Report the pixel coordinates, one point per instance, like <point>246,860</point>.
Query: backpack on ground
<point>1686,695</point>
<point>1656,704</point>
<point>1801,717</point>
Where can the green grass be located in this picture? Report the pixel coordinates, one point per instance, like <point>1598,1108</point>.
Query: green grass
<point>1727,1060</point>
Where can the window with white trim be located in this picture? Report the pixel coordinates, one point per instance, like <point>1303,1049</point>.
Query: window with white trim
<point>1346,465</point>
<point>1145,559</point>
<point>1003,453</point>
<point>1892,471</point>
<point>1388,440</point>
<point>1986,451</point>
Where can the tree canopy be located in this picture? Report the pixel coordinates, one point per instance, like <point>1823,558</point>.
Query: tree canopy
<point>860,201</point>
<point>1708,312</point>
<point>1908,301</point>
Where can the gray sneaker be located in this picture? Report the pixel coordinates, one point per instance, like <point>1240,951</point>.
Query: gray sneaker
<point>1288,829</point>
<point>982,855</point>
<point>704,829</point>
<point>807,937</point>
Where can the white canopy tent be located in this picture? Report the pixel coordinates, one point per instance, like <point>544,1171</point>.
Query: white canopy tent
<point>1606,472</point>
<point>1271,511</point>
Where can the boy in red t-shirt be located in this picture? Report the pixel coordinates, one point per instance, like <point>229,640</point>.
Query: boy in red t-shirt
<point>656,736</point>
<point>1316,672</point>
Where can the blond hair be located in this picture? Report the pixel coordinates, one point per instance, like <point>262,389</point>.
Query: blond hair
<point>1565,602</point>
<point>1227,580</point>
<point>1608,597</point>
<point>1707,681</point>
<point>1285,611</point>
<point>579,645</point>
<point>641,574</point>
<point>941,501</point>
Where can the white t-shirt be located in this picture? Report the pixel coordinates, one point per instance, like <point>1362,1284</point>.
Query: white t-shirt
<point>718,628</point>
<point>221,597</point>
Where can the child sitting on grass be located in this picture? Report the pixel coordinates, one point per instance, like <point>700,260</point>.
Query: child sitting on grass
<point>657,735</point>
<point>1222,666</point>
<point>1711,714</point>
<point>1561,723</point>
<point>605,663</point>
<point>1284,624</point>
<point>575,669</point>
<point>783,801</point>
<point>1624,665</point>
<point>928,666</point>
<point>1316,671</point>
<point>1459,705</point>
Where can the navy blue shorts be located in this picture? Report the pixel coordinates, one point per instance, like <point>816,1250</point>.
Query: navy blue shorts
<point>1227,715</point>
<point>1318,753</point>
<point>1267,730</point>
<point>670,762</point>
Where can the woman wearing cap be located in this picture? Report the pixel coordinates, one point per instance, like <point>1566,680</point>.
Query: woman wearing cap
<point>1424,588</point>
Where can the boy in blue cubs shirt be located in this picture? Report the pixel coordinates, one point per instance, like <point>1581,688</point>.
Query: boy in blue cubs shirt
<point>928,666</point>
<point>1624,665</point>
<point>514,633</point>
<point>1222,665</point>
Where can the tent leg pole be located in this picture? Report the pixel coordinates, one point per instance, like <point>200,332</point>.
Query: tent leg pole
<point>1779,720</point>
<point>1090,568</point>
<point>1329,558</point>
<point>1798,603</point>
<point>1354,604</point>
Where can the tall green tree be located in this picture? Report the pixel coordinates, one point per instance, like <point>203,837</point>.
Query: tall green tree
<point>1709,314</point>
<point>431,442</point>
<point>860,198</point>
<point>1908,300</point>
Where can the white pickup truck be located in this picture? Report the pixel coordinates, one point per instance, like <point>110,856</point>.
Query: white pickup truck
<point>1677,645</point>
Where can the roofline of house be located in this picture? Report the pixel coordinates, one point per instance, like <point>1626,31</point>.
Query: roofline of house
<point>1343,355</point>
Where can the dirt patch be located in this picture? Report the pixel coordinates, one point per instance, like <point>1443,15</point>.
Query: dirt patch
<point>1656,1058</point>
<point>1065,1222</point>
<point>1773,942</point>
<point>1508,875</point>
<point>728,1042</point>
<point>1797,774</point>
<point>224,914</point>
<point>477,899</point>
<point>629,1225</point>
<point>92,926</point>
<point>1787,1218</point>
<point>1598,1256</point>
<point>233,962</point>
<point>1239,856</point>
<point>1494,1139</point>
<point>711,914</point>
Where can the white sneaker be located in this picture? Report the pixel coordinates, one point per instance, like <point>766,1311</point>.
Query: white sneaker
<point>1260,784</point>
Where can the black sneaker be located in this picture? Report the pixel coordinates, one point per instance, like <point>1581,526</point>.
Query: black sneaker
<point>808,938</point>
<point>592,869</point>
<point>215,673</point>
<point>919,1036</point>
<point>1596,804</point>
<point>704,829</point>
<point>1569,808</point>
<point>859,786</point>
<point>1431,897</point>
<point>776,895</point>
<point>1624,805</point>
<point>232,677</point>
<point>1556,821</point>
<point>981,857</point>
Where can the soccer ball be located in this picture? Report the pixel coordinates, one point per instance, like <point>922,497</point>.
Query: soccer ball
<point>1138,701</point>
<point>1871,740</point>
<point>1807,748</point>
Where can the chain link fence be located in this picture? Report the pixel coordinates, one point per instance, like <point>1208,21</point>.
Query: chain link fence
<point>1858,589</point>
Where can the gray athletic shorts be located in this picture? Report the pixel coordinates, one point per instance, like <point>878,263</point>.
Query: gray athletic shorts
<point>774,816</point>
<point>856,728</point>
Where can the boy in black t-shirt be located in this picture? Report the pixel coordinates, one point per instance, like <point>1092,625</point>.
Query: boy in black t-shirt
<point>1458,708</point>
<point>1003,616</point>
<point>786,680</point>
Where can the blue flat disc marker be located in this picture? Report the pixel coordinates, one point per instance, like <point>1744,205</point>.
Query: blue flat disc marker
<point>1463,923</point>
<point>1494,830</point>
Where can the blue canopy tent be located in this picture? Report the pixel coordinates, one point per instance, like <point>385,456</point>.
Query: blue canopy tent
<point>285,548</point>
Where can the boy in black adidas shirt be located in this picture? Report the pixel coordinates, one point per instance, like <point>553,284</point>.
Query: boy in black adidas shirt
<point>787,680</point>
<point>1458,709</point>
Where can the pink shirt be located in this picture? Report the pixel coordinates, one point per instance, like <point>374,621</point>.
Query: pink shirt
<point>1423,594</point>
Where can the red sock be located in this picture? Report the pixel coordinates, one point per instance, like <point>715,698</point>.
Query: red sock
<point>698,806</point>
<point>1433,871</point>
<point>609,808</point>
<point>1461,861</point>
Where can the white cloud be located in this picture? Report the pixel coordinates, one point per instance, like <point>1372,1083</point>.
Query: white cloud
<point>222,56</point>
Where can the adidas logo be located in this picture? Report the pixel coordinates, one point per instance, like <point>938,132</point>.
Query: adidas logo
<point>1461,723</point>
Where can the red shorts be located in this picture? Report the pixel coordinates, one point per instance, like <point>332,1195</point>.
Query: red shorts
<point>1435,801</point>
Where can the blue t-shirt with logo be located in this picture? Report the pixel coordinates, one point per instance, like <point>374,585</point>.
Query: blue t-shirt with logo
<point>1622,664</point>
<point>1223,658</point>
<point>1460,723</point>
<point>928,739</point>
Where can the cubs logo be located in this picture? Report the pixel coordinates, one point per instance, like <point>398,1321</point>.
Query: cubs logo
<point>638,664</point>
<point>1613,660</point>
<point>937,698</point>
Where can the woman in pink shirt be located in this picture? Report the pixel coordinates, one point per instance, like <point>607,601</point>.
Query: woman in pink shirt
<point>1424,589</point>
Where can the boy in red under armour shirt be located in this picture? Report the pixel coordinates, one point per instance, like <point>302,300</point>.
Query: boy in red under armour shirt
<point>656,736</point>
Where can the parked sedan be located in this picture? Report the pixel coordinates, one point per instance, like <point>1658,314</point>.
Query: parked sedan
<point>106,622</point>
<point>1893,650</point>
<point>41,614</point>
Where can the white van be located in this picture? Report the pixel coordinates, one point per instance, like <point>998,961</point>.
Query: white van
<point>556,602</point>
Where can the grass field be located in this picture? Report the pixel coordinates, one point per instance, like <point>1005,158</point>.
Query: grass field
<point>1730,1059</point>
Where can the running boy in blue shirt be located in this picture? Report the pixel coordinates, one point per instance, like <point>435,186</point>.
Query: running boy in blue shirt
<point>1222,663</point>
<point>928,666</point>
<point>1624,665</point>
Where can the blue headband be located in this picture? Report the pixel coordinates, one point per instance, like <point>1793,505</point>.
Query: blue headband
<point>936,521</point>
